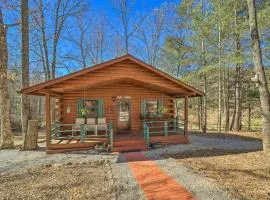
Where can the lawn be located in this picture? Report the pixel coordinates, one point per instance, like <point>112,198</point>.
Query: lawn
<point>87,180</point>
<point>243,175</point>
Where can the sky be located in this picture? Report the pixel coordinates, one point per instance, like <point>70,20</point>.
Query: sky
<point>96,6</point>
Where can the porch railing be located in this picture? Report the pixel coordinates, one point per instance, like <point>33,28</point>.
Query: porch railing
<point>59,131</point>
<point>162,128</point>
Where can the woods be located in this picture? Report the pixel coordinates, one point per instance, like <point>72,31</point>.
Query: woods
<point>207,43</point>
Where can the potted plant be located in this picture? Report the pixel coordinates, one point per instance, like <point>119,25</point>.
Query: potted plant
<point>84,113</point>
<point>162,110</point>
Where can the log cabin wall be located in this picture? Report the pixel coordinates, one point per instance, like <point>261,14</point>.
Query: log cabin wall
<point>125,78</point>
<point>136,93</point>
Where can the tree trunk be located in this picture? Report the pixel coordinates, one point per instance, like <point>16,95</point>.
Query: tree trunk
<point>249,116</point>
<point>219,71</point>
<point>204,123</point>
<point>204,126</point>
<point>199,113</point>
<point>227,108</point>
<point>31,137</point>
<point>233,118</point>
<point>6,139</point>
<point>259,70</point>
<point>25,104</point>
<point>237,119</point>
<point>44,41</point>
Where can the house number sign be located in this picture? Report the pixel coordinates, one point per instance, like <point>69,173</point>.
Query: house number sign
<point>123,97</point>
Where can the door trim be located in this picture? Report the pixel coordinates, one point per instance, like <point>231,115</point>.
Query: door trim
<point>130,115</point>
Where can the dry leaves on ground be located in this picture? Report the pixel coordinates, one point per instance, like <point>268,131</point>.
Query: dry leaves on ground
<point>58,181</point>
<point>244,175</point>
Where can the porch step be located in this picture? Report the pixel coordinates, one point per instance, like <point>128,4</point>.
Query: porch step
<point>124,143</point>
<point>129,148</point>
<point>129,144</point>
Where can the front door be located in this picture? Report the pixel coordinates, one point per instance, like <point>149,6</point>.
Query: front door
<point>123,116</point>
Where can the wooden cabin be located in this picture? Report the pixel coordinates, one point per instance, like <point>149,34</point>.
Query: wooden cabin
<point>123,103</point>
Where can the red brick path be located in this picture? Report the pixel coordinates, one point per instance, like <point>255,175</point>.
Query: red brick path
<point>155,183</point>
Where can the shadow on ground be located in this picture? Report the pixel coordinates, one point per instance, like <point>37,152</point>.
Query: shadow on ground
<point>225,135</point>
<point>209,153</point>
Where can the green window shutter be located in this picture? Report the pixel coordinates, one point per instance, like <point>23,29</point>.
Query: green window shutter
<point>100,108</point>
<point>160,105</point>
<point>79,108</point>
<point>143,108</point>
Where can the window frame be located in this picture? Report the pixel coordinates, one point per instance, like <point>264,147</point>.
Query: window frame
<point>100,107</point>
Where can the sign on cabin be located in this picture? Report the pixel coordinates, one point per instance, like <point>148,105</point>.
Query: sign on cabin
<point>123,97</point>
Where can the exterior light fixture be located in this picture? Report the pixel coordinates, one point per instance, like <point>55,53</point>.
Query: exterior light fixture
<point>68,109</point>
<point>113,98</point>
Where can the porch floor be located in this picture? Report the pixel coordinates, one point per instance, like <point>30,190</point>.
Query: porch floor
<point>121,142</point>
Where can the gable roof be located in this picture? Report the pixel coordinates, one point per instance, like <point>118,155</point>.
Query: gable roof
<point>35,89</point>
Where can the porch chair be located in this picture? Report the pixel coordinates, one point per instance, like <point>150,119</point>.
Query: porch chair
<point>91,125</point>
<point>102,125</point>
<point>77,127</point>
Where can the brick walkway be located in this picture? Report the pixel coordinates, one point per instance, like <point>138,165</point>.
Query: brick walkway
<point>155,183</point>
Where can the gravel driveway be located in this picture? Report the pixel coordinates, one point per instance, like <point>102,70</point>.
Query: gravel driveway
<point>125,185</point>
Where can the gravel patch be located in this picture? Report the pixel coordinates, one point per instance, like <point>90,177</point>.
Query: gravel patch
<point>118,173</point>
<point>58,181</point>
<point>127,186</point>
<point>199,186</point>
<point>204,142</point>
<point>12,160</point>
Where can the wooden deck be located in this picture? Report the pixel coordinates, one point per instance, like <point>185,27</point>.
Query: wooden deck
<point>121,142</point>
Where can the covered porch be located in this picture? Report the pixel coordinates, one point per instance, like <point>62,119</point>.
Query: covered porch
<point>61,137</point>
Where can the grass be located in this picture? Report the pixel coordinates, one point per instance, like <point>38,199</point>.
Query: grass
<point>243,175</point>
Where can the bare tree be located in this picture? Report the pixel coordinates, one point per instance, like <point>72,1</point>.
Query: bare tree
<point>6,139</point>
<point>260,74</point>
<point>151,32</point>
<point>63,10</point>
<point>123,9</point>
<point>80,39</point>
<point>43,46</point>
<point>25,64</point>
<point>97,43</point>
<point>89,36</point>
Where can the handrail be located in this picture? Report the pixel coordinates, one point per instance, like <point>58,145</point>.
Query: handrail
<point>163,126</point>
<point>82,129</point>
<point>110,127</point>
<point>146,134</point>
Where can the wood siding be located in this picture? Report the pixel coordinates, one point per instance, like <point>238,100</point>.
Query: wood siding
<point>124,72</point>
<point>106,93</point>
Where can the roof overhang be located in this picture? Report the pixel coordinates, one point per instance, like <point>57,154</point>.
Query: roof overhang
<point>51,85</point>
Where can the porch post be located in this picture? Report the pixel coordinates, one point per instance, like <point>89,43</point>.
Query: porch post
<point>48,119</point>
<point>186,116</point>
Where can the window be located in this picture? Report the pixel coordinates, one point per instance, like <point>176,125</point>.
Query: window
<point>152,107</point>
<point>92,108</point>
